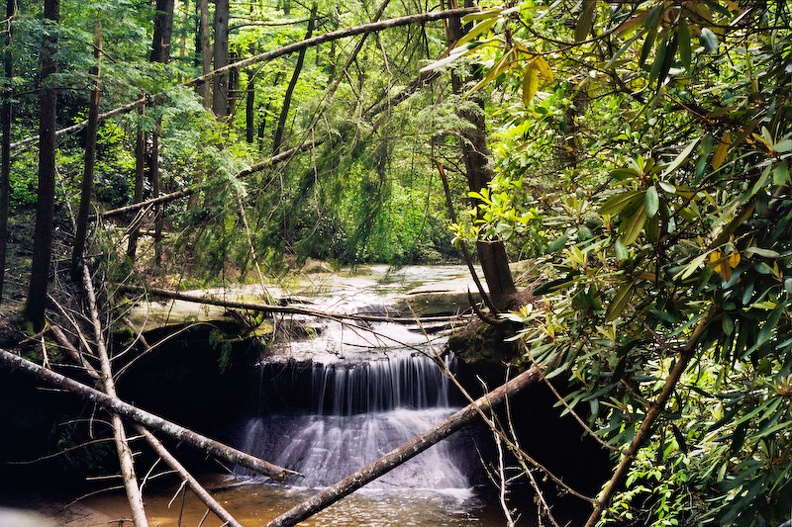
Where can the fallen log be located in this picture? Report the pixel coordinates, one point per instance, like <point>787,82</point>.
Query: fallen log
<point>407,451</point>
<point>273,308</point>
<point>147,419</point>
<point>193,483</point>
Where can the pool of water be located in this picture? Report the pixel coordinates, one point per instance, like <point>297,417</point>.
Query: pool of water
<point>255,504</point>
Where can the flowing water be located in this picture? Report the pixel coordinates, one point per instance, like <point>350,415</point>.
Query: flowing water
<point>327,406</point>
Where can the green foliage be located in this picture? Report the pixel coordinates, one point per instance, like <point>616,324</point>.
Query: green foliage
<point>667,131</point>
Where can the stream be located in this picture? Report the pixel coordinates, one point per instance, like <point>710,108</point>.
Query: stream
<point>329,405</point>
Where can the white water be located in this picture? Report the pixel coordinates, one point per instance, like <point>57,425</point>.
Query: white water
<point>368,389</point>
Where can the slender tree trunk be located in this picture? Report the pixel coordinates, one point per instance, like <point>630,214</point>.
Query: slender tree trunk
<point>278,137</point>
<point>160,52</point>
<point>250,108</point>
<point>476,154</point>
<point>45,206</point>
<point>90,159</point>
<point>205,89</point>
<point>233,88</point>
<point>220,52</point>
<point>140,174</point>
<point>163,31</point>
<point>6,116</point>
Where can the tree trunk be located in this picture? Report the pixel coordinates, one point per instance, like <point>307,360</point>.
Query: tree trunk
<point>84,211</point>
<point>220,52</point>
<point>45,206</point>
<point>476,154</point>
<point>126,462</point>
<point>163,31</point>
<point>250,108</point>
<point>205,89</point>
<point>407,451</point>
<point>6,116</point>
<point>140,174</point>
<point>154,179</point>
<point>147,419</point>
<point>277,139</point>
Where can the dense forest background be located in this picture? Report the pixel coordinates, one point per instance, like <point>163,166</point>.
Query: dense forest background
<point>639,152</point>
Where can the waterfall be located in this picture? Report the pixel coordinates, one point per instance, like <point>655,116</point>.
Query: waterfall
<point>327,420</point>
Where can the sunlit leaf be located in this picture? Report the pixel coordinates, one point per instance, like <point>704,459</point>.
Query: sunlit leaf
<point>477,30</point>
<point>722,151</point>
<point>618,202</point>
<point>683,155</point>
<point>530,83</point>
<point>544,68</point>
<point>632,226</point>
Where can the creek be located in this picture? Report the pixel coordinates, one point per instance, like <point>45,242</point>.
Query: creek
<point>328,405</point>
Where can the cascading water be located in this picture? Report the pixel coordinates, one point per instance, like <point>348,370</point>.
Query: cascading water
<point>328,420</point>
<point>328,406</point>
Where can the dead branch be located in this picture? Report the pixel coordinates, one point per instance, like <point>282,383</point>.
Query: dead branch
<point>271,308</point>
<point>127,464</point>
<point>147,419</point>
<point>196,487</point>
<point>407,451</point>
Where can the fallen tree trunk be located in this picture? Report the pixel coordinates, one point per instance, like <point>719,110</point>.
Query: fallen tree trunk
<point>125,459</point>
<point>147,419</point>
<point>407,451</point>
<point>196,487</point>
<point>272,308</point>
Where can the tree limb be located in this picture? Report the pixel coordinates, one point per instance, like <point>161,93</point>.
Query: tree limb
<point>644,431</point>
<point>147,419</point>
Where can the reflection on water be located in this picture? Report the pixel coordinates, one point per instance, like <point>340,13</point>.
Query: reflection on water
<point>256,504</point>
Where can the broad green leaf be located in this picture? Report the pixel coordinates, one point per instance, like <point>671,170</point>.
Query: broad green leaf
<point>692,266</point>
<point>620,250</point>
<point>530,83</point>
<point>767,253</point>
<point>622,49</point>
<point>651,202</point>
<point>632,226</point>
<point>781,174</point>
<point>619,302</point>
<point>477,30</point>
<point>683,155</point>
<point>709,40</point>
<point>727,231</point>
<point>683,37</point>
<point>618,202</point>
<point>783,146</point>
<point>585,21</point>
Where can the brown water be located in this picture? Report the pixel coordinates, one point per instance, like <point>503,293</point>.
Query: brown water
<point>253,505</point>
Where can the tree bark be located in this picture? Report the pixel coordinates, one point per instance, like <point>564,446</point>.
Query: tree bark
<point>163,32</point>
<point>407,451</point>
<point>126,462</point>
<point>6,116</point>
<point>193,483</point>
<point>147,419</point>
<point>205,89</point>
<point>476,154</point>
<point>140,174</point>
<point>220,52</point>
<point>277,139</point>
<point>250,108</point>
<point>45,206</point>
<point>81,231</point>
